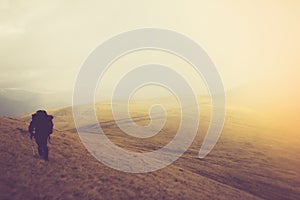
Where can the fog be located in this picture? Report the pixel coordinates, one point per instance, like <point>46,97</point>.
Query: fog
<point>43,44</point>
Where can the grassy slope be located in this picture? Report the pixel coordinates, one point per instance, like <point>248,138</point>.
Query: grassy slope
<point>74,174</point>
<point>254,158</point>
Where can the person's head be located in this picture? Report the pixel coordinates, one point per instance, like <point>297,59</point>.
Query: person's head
<point>40,114</point>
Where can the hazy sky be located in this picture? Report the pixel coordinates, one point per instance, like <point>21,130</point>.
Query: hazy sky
<point>43,43</point>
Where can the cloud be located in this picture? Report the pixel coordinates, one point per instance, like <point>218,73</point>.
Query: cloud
<point>5,5</point>
<point>43,43</point>
<point>9,30</point>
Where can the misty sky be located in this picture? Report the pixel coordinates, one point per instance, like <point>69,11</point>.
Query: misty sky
<point>43,43</point>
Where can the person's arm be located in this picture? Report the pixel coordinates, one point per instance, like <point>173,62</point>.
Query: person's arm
<point>31,129</point>
<point>50,124</point>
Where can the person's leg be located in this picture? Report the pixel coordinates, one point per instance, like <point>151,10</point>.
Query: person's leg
<point>40,150</point>
<point>46,151</point>
<point>41,140</point>
<point>44,147</point>
<point>40,145</point>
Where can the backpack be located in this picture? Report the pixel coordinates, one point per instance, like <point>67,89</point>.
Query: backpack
<point>41,123</point>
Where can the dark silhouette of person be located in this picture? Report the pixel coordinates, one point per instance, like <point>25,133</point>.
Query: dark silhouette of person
<point>41,126</point>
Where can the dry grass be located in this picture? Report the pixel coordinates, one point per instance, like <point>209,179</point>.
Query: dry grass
<point>252,160</point>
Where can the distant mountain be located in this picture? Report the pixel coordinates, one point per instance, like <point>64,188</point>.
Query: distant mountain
<point>15,102</point>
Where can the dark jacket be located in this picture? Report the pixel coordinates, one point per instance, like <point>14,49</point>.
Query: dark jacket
<point>41,125</point>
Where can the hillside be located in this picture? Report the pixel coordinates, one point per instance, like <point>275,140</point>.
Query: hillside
<point>252,160</point>
<point>74,174</point>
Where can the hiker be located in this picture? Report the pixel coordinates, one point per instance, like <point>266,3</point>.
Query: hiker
<point>41,126</point>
